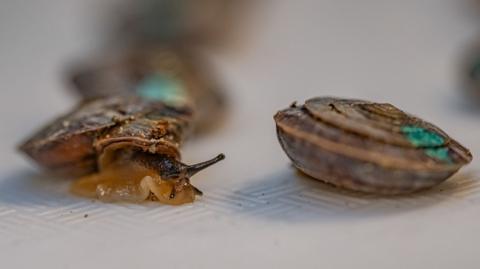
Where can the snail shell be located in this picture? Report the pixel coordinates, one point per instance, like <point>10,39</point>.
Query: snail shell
<point>171,75</point>
<point>72,144</point>
<point>368,147</point>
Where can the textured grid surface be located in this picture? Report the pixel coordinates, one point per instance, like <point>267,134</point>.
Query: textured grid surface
<point>50,210</point>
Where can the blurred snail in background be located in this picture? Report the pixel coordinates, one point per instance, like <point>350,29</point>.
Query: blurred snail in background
<point>470,74</point>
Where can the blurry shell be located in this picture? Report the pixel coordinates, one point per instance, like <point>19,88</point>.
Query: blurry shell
<point>470,74</point>
<point>368,147</point>
<point>199,22</point>
<point>128,71</point>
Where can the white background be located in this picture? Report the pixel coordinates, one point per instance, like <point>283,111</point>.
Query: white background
<point>256,212</point>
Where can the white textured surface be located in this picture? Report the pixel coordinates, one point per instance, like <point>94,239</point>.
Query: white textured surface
<point>256,212</point>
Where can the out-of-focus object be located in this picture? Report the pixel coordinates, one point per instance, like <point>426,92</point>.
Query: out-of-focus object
<point>128,146</point>
<point>192,22</point>
<point>471,74</point>
<point>366,146</point>
<point>168,74</point>
<point>154,54</point>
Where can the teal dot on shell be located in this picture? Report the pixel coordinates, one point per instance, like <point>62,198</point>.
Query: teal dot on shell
<point>158,87</point>
<point>421,137</point>
<point>431,141</point>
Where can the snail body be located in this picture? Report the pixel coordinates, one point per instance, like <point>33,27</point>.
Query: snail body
<point>368,147</point>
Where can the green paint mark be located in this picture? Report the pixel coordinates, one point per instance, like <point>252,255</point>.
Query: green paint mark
<point>439,153</point>
<point>421,137</point>
<point>159,87</point>
<point>431,141</point>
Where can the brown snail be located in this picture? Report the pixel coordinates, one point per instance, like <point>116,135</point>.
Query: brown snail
<point>368,147</point>
<point>125,148</point>
<point>140,99</point>
<point>124,138</point>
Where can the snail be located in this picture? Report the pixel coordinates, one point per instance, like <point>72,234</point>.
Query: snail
<point>123,148</point>
<point>123,139</point>
<point>366,146</point>
<point>140,100</point>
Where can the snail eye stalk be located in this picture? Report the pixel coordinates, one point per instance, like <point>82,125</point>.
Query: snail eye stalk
<point>195,168</point>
